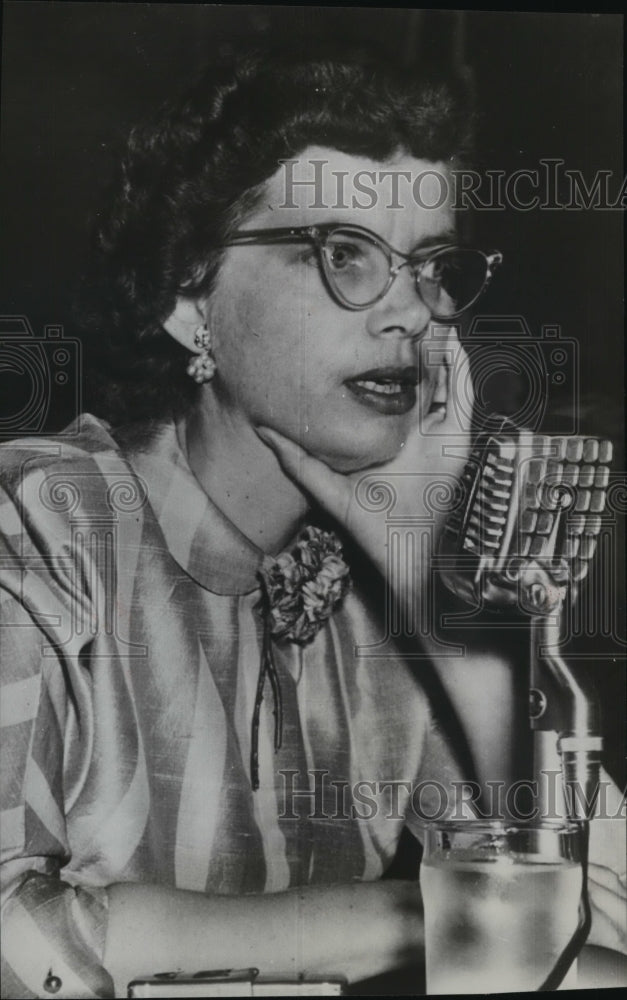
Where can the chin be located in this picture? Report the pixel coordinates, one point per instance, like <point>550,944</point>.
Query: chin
<point>360,454</point>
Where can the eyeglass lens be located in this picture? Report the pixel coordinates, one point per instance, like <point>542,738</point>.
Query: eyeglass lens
<point>359,270</point>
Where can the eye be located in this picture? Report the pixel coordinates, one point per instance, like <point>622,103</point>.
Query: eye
<point>343,256</point>
<point>440,270</point>
<point>432,270</point>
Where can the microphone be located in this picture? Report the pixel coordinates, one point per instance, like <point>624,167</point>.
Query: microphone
<point>526,498</point>
<point>523,536</point>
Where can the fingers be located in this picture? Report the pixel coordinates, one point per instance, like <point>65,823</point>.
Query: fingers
<point>452,398</point>
<point>441,390</point>
<point>329,488</point>
<point>608,915</point>
<point>609,879</point>
<point>436,369</point>
<point>460,388</point>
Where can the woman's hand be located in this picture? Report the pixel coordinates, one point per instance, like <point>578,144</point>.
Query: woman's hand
<point>607,879</point>
<point>429,462</point>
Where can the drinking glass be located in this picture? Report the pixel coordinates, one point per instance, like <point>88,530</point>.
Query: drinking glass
<point>501,904</point>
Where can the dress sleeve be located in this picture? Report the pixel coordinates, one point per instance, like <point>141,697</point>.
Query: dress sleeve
<point>50,927</point>
<point>441,790</point>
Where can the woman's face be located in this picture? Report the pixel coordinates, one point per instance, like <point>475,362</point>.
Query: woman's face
<point>345,384</point>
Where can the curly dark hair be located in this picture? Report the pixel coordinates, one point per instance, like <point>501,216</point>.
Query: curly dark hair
<point>191,174</point>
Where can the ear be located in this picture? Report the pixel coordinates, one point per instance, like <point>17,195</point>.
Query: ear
<point>184,320</point>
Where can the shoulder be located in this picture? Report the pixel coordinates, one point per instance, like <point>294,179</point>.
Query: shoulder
<point>79,443</point>
<point>47,481</point>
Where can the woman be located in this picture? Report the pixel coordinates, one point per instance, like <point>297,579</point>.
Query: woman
<point>192,727</point>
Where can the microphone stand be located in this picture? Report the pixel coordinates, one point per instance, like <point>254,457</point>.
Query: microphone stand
<point>564,715</point>
<point>524,534</point>
<point>564,711</point>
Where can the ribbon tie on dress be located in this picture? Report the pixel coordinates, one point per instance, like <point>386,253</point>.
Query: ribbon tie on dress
<point>300,591</point>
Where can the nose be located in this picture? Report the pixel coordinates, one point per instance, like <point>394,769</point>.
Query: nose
<point>401,312</point>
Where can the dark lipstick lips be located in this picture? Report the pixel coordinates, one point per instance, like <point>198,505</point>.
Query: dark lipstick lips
<point>390,390</point>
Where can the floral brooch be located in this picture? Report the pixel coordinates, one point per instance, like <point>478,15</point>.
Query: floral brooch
<point>301,590</point>
<point>303,587</point>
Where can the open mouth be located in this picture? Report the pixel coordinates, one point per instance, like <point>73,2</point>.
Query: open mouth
<point>386,390</point>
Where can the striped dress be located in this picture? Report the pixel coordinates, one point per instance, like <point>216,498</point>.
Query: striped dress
<point>130,648</point>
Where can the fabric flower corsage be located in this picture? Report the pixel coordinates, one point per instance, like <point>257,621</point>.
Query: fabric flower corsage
<point>301,590</point>
<point>303,587</point>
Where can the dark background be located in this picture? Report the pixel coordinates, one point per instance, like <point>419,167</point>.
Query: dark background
<point>75,76</point>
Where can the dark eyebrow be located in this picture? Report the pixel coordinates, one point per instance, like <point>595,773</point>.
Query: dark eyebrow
<point>450,236</point>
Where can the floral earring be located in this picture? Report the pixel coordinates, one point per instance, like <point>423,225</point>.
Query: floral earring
<point>202,366</point>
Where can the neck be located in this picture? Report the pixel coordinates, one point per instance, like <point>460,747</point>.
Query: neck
<point>243,477</point>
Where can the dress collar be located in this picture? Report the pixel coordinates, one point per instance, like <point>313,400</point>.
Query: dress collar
<point>204,542</point>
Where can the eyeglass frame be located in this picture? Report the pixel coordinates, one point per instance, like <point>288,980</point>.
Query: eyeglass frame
<point>319,234</point>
